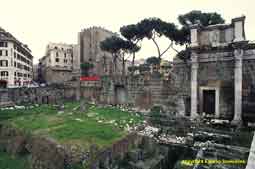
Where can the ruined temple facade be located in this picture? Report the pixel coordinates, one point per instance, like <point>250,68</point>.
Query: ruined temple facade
<point>219,77</point>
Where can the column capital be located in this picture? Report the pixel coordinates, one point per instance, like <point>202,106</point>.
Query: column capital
<point>194,65</point>
<point>238,54</point>
<point>194,60</point>
<point>194,57</point>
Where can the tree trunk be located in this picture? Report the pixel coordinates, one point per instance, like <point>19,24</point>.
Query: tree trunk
<point>133,63</point>
<point>123,67</point>
<point>114,64</point>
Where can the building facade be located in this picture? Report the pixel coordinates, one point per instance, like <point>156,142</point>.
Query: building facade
<point>58,64</point>
<point>219,78</point>
<point>16,62</point>
<point>90,51</point>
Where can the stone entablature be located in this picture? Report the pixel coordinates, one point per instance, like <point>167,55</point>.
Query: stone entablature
<point>218,35</point>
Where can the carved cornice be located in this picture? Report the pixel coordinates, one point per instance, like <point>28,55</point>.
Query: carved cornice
<point>239,45</point>
<point>227,48</point>
<point>210,49</point>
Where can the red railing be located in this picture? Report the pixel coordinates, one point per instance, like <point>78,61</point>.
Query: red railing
<point>89,78</point>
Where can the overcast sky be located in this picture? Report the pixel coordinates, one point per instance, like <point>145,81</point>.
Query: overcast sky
<point>38,22</point>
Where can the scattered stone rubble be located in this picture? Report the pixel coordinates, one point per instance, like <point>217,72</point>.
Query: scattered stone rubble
<point>208,143</point>
<point>46,153</point>
<point>12,107</point>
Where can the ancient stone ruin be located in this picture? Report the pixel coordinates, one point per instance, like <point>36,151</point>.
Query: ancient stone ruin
<point>200,118</point>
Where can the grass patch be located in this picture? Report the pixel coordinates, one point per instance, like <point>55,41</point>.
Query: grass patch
<point>9,162</point>
<point>9,114</point>
<point>100,126</point>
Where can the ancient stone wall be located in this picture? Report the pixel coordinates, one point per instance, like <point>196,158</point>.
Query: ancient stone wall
<point>248,102</point>
<point>145,93</point>
<point>40,95</point>
<point>219,74</point>
<point>45,153</point>
<point>180,87</point>
<point>91,90</point>
<point>57,75</point>
<point>137,91</point>
<point>107,157</point>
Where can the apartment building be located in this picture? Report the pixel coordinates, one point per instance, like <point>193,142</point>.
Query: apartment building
<point>16,62</point>
<point>58,63</point>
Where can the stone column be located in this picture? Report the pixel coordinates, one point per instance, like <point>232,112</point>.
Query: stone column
<point>238,86</point>
<point>251,159</point>
<point>78,91</point>
<point>78,87</point>
<point>194,98</point>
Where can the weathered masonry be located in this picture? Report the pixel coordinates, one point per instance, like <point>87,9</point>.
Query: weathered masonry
<point>221,72</point>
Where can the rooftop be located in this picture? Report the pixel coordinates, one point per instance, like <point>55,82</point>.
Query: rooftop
<point>4,35</point>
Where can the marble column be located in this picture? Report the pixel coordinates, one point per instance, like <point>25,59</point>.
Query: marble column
<point>194,94</point>
<point>238,86</point>
<point>78,86</point>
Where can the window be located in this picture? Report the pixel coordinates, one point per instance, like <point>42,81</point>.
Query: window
<point>20,66</point>
<point>1,53</point>
<point>15,64</point>
<point>3,63</point>
<point>15,54</point>
<point>4,73</point>
<point>3,44</point>
<point>6,53</point>
<point>56,54</point>
<point>15,74</point>
<point>65,55</point>
<point>57,59</point>
<point>19,74</point>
